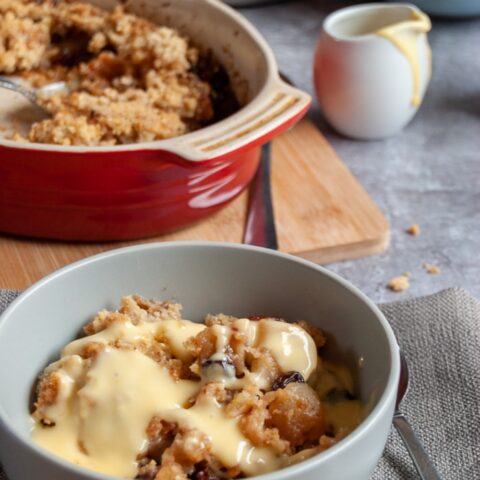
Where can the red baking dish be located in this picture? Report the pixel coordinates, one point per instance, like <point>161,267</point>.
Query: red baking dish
<point>132,191</point>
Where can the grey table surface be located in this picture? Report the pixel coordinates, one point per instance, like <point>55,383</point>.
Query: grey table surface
<point>427,174</point>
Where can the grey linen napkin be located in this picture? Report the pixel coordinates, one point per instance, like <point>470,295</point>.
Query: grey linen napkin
<point>440,335</point>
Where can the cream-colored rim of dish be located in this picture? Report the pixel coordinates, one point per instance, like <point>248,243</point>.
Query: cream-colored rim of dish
<point>386,400</point>
<point>272,106</point>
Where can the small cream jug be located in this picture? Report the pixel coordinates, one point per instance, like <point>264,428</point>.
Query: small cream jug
<point>372,68</point>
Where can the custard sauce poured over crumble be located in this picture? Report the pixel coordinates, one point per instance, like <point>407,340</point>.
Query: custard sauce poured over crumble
<point>149,395</point>
<point>129,80</point>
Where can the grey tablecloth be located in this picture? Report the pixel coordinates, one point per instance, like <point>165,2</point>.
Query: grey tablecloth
<point>440,335</point>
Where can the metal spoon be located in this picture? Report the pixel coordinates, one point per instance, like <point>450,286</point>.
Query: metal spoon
<point>420,458</point>
<point>32,94</point>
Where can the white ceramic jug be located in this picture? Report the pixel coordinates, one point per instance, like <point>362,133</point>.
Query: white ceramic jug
<point>372,68</point>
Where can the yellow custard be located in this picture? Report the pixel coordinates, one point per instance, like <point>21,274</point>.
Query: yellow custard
<point>405,36</point>
<point>96,403</point>
<point>103,424</point>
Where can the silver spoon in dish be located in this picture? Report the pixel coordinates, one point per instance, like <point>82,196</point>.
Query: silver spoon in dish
<point>420,458</point>
<point>32,94</point>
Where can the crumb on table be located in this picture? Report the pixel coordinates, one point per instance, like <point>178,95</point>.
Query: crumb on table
<point>400,283</point>
<point>433,269</point>
<point>414,229</point>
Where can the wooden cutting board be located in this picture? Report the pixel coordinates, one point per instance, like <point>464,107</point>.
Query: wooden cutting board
<point>321,211</point>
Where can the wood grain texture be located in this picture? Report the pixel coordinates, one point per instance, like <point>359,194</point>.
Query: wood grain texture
<point>322,213</point>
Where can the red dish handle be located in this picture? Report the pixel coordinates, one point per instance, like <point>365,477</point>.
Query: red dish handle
<point>272,111</point>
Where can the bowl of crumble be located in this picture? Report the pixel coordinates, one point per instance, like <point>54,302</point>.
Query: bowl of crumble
<point>160,123</point>
<point>195,360</point>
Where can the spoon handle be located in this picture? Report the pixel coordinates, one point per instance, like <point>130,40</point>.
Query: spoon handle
<point>16,87</point>
<point>420,458</point>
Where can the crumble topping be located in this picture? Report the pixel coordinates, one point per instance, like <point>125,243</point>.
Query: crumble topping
<point>149,395</point>
<point>128,80</point>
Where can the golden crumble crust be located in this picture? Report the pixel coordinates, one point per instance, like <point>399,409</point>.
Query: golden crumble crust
<point>47,392</point>
<point>128,80</point>
<point>271,409</point>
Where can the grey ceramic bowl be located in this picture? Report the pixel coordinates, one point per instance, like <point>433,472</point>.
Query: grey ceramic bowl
<point>205,277</point>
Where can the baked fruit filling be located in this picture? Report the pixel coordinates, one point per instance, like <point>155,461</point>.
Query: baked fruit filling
<point>149,395</point>
<point>128,80</point>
